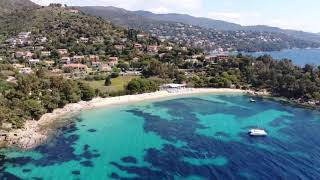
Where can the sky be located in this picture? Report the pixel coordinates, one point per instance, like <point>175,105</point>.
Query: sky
<point>289,14</point>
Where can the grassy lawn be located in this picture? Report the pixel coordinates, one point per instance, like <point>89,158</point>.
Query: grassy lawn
<point>117,84</point>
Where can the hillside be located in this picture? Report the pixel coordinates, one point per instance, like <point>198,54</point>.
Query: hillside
<point>55,23</point>
<point>201,33</point>
<point>138,18</point>
<point>227,26</point>
<point>8,6</point>
<point>187,19</point>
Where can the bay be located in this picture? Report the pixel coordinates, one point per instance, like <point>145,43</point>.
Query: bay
<point>193,137</point>
<point>298,56</point>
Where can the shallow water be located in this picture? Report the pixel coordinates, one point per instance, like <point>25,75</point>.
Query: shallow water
<point>196,137</point>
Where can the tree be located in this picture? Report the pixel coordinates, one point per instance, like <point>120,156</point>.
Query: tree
<point>34,109</point>
<point>87,92</point>
<point>107,81</point>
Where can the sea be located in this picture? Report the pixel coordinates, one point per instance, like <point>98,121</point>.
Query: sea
<point>298,56</point>
<point>188,137</point>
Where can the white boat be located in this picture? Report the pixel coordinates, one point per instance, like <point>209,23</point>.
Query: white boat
<point>252,100</point>
<point>257,132</point>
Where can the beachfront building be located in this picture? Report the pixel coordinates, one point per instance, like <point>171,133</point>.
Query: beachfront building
<point>173,87</point>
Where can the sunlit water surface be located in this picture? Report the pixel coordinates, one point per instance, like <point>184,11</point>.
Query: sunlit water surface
<point>194,137</point>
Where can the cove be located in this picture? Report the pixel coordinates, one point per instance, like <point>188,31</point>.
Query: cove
<point>190,137</point>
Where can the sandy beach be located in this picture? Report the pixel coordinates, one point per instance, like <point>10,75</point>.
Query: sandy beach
<point>36,132</point>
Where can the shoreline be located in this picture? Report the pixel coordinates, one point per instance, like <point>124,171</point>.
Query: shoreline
<point>35,133</point>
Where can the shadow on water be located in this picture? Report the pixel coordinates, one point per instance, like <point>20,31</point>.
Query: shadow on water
<point>244,159</point>
<point>200,156</point>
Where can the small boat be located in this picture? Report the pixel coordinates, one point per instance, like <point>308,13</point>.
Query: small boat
<point>252,100</point>
<point>257,132</point>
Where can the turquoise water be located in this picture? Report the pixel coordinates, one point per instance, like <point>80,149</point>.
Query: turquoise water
<point>194,137</point>
<point>299,56</point>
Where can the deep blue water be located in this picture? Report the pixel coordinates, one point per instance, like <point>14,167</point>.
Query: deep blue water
<point>298,56</point>
<point>195,137</point>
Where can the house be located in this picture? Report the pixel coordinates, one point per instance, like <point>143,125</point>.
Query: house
<point>95,65</point>
<point>41,39</point>
<point>63,51</point>
<point>84,40</point>
<point>141,36</point>
<point>191,61</point>
<point>104,68</point>
<point>24,35</point>
<point>169,48</point>
<point>113,61</point>
<point>24,55</point>
<point>138,46</point>
<point>162,55</point>
<point>222,57</point>
<point>18,66</point>
<point>45,53</point>
<point>57,71</point>
<point>65,60</point>
<point>25,70</point>
<point>93,58</point>
<point>28,55</point>
<point>11,41</point>
<point>49,63</point>
<point>38,48</point>
<point>76,67</point>
<point>74,11</point>
<point>19,54</point>
<point>136,59</point>
<point>78,59</point>
<point>34,61</point>
<point>119,47</point>
<point>153,49</point>
<point>210,59</point>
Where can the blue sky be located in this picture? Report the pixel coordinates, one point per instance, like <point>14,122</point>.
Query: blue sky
<point>289,14</point>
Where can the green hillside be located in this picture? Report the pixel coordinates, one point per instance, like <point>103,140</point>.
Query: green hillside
<point>8,6</point>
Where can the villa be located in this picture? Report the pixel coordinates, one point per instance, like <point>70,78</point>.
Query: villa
<point>93,58</point>
<point>25,70</point>
<point>65,60</point>
<point>77,59</point>
<point>45,53</point>
<point>63,51</point>
<point>80,67</point>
